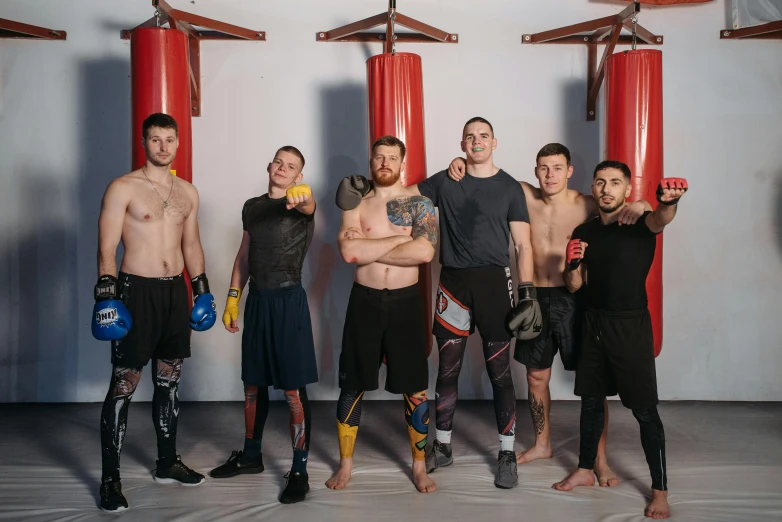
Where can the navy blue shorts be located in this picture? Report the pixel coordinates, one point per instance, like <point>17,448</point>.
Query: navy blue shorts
<point>277,346</point>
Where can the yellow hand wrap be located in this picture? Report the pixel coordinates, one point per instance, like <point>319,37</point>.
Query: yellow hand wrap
<point>231,313</point>
<point>299,190</point>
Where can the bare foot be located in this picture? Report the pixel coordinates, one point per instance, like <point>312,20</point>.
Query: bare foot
<point>534,453</point>
<point>658,507</point>
<point>605,475</point>
<point>421,480</point>
<point>341,478</point>
<point>580,477</point>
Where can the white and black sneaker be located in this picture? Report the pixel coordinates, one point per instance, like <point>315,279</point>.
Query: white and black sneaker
<point>178,473</point>
<point>237,464</point>
<point>111,498</point>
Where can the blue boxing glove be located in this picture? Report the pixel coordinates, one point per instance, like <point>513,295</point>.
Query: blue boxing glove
<point>204,312</point>
<point>110,319</point>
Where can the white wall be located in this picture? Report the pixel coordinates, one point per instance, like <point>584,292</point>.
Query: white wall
<point>65,133</point>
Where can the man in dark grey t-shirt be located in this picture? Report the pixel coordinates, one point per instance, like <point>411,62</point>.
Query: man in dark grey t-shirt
<point>478,216</point>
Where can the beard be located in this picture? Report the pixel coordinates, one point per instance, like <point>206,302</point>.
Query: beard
<point>612,206</point>
<point>385,177</point>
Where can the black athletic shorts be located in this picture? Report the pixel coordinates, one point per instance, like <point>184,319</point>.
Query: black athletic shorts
<point>618,357</point>
<point>562,317</point>
<point>160,312</point>
<point>277,346</point>
<point>384,323</point>
<point>470,297</point>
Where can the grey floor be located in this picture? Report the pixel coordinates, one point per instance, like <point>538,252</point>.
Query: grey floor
<point>724,463</point>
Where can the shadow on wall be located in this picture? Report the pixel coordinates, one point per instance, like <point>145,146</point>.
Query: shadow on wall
<point>105,154</point>
<point>48,265</point>
<point>40,356</point>
<point>344,128</point>
<point>582,137</point>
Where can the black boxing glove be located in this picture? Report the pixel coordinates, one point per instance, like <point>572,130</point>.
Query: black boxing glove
<point>351,191</point>
<point>525,319</point>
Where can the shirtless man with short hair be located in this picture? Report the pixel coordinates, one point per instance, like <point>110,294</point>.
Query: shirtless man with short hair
<point>387,235</point>
<point>144,310</point>
<point>555,210</point>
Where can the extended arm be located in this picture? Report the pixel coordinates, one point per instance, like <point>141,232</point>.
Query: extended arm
<point>657,220</point>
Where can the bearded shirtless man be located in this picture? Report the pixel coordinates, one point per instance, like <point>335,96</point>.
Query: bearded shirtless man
<point>387,235</point>
<point>144,310</point>
<point>555,210</point>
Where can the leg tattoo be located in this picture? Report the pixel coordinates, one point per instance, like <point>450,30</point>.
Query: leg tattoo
<point>538,413</point>
<point>417,417</point>
<point>114,418</point>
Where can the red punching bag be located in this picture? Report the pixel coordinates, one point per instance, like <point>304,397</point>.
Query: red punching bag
<point>634,126</point>
<point>160,82</point>
<point>396,108</point>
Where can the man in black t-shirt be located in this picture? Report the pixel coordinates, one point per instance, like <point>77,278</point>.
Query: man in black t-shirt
<point>617,345</point>
<point>277,344</point>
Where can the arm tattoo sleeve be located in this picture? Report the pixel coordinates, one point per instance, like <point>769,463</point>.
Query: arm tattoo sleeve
<point>417,212</point>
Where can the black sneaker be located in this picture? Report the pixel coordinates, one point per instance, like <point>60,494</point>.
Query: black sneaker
<point>111,498</point>
<point>507,476</point>
<point>439,456</point>
<point>296,489</point>
<point>237,464</point>
<point>178,473</point>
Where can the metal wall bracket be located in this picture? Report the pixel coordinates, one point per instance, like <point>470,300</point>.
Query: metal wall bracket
<point>606,31</point>
<point>356,32</point>
<point>11,29</point>
<point>187,23</point>
<point>769,31</point>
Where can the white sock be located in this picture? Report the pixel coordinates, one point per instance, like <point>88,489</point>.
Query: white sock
<point>506,442</point>
<point>443,437</point>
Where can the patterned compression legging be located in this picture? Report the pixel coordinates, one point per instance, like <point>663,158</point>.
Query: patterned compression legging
<point>165,411</point>
<point>349,416</point>
<point>256,410</point>
<point>497,356</point>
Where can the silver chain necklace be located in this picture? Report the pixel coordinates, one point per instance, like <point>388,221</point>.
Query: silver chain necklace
<point>165,201</point>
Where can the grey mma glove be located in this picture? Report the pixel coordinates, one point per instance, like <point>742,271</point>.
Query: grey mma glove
<point>351,191</point>
<point>525,320</point>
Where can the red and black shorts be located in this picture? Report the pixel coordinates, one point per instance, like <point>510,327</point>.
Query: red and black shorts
<point>470,297</point>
